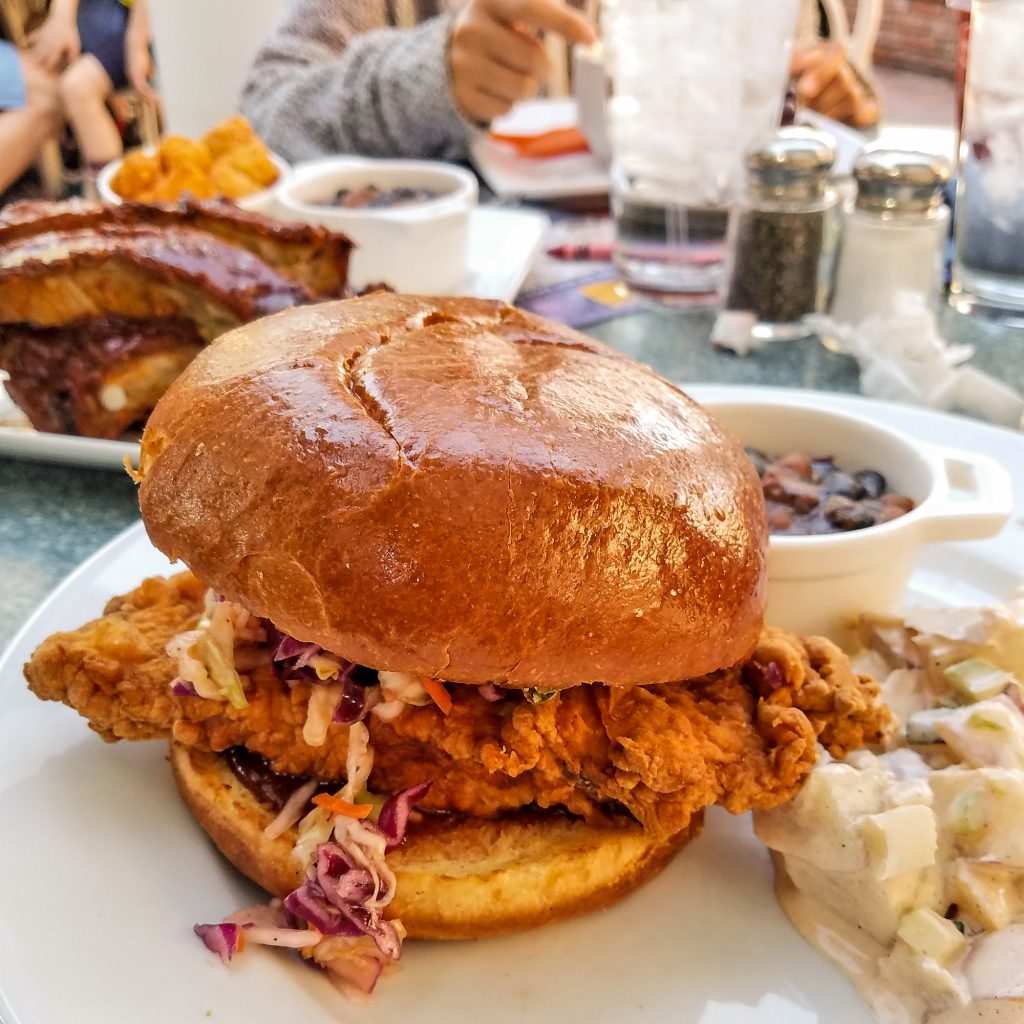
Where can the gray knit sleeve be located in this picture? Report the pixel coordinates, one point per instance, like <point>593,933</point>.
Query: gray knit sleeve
<point>321,84</point>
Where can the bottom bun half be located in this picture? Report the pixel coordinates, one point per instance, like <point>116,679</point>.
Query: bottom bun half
<point>458,877</point>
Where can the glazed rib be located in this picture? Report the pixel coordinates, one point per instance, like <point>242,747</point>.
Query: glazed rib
<point>96,378</point>
<point>310,255</point>
<point>53,279</point>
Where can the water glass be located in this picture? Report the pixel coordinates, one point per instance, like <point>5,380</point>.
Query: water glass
<point>988,264</point>
<point>694,82</point>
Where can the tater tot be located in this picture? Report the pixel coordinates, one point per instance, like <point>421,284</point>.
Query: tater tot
<point>228,135</point>
<point>177,151</point>
<point>180,180</point>
<point>254,161</point>
<point>137,174</point>
<point>229,181</point>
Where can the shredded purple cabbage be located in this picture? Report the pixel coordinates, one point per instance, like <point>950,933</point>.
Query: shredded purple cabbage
<point>221,939</point>
<point>356,699</point>
<point>394,815</point>
<point>182,687</point>
<point>490,692</point>
<point>290,648</point>
<point>333,899</point>
<point>291,662</point>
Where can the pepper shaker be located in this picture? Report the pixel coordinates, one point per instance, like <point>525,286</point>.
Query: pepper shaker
<point>781,233</point>
<point>894,237</point>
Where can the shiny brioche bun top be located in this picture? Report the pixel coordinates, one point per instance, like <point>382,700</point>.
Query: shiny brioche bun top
<point>459,489</point>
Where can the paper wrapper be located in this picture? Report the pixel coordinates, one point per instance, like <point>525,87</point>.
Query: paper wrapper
<point>902,358</point>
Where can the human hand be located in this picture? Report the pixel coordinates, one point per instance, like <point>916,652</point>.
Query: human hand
<point>55,44</point>
<point>827,83</point>
<point>138,67</point>
<point>495,57</point>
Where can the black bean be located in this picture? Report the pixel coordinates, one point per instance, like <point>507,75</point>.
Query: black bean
<point>759,459</point>
<point>850,516</point>
<point>872,481</point>
<point>844,484</point>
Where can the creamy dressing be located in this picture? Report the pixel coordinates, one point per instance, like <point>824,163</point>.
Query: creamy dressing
<point>906,869</point>
<point>899,987</point>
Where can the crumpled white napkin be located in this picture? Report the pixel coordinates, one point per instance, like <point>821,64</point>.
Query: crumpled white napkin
<point>902,358</point>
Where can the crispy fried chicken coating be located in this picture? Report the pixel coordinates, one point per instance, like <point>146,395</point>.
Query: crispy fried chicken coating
<point>743,737</point>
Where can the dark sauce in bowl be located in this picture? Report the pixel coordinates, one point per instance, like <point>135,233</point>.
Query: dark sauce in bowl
<point>807,495</point>
<point>370,197</point>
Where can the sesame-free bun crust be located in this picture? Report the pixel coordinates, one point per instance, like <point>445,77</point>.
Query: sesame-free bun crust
<point>458,878</point>
<point>456,488</point>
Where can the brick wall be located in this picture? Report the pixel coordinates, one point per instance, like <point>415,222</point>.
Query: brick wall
<point>916,35</point>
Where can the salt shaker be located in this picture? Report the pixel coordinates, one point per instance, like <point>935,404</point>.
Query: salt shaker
<point>781,232</point>
<point>894,237</point>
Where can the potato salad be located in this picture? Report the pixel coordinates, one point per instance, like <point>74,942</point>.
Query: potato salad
<point>906,866</point>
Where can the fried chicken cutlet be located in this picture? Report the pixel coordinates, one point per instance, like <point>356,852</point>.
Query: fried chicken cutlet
<point>743,737</point>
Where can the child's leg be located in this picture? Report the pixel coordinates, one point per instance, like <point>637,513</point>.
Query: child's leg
<point>24,130</point>
<point>84,89</point>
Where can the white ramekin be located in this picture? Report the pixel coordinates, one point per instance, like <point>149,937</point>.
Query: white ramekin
<point>422,247</point>
<point>819,584</point>
<point>258,202</point>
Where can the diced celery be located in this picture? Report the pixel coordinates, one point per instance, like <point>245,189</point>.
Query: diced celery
<point>987,720</point>
<point>976,679</point>
<point>968,811</point>
<point>931,935</point>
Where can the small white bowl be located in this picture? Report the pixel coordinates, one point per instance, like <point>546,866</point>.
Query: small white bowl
<point>819,584</point>
<point>421,247</point>
<point>258,202</point>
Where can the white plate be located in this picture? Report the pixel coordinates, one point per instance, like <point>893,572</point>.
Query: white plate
<point>502,247</point>
<point>103,873</point>
<point>562,177</point>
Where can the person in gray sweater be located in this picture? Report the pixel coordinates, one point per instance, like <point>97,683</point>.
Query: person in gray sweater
<point>412,78</point>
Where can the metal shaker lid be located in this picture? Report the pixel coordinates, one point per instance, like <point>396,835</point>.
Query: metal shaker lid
<point>899,181</point>
<point>792,163</point>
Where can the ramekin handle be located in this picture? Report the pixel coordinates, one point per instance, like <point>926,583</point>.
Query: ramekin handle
<point>979,501</point>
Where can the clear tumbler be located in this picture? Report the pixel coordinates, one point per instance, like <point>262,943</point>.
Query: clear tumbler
<point>988,264</point>
<point>694,82</point>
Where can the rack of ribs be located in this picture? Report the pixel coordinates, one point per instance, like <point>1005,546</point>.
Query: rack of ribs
<point>102,306</point>
<point>314,256</point>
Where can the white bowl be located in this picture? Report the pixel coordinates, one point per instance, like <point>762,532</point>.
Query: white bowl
<point>258,202</point>
<point>819,584</point>
<point>421,247</point>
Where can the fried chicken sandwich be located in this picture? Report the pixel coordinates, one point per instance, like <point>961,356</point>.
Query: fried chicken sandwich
<point>472,632</point>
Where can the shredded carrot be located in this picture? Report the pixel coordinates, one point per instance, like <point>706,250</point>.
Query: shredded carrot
<point>241,940</point>
<point>338,806</point>
<point>438,694</point>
